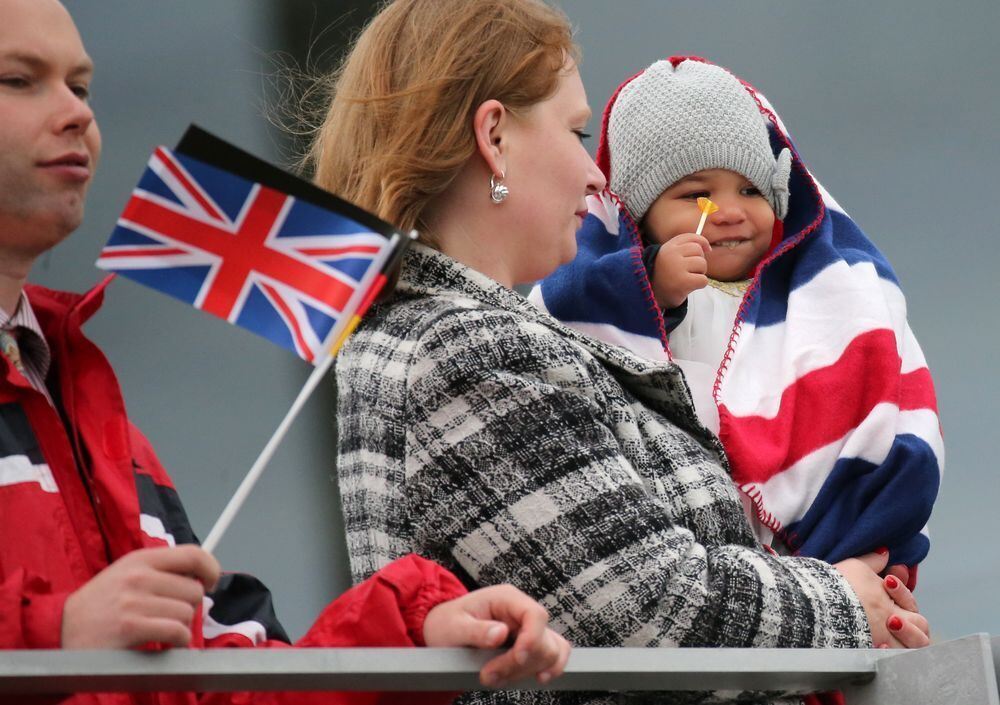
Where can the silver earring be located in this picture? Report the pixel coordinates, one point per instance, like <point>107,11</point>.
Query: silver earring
<point>498,192</point>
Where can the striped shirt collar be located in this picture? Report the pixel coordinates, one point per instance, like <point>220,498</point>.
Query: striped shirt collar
<point>35,352</point>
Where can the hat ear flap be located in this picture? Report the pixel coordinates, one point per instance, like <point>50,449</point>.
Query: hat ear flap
<point>779,183</point>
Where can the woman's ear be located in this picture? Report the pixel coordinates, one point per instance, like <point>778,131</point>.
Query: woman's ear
<point>490,125</point>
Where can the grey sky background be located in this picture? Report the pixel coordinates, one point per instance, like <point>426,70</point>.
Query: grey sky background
<point>893,105</point>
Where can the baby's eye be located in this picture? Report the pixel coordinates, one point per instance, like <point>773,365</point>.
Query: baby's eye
<point>582,135</point>
<point>695,195</point>
<point>750,191</point>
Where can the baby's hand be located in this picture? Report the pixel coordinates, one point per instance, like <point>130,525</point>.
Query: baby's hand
<point>680,268</point>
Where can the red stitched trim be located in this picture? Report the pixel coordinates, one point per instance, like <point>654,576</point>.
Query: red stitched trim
<point>640,271</point>
<point>679,59</point>
<point>768,259</point>
<point>765,517</point>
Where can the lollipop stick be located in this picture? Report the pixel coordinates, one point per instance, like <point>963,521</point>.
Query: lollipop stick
<point>701,223</point>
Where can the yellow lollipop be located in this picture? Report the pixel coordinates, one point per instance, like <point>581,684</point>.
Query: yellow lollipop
<point>707,208</point>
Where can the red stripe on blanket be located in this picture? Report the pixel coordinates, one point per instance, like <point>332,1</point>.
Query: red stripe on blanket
<point>916,391</point>
<point>823,406</point>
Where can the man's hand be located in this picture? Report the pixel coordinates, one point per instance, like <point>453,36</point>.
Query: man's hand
<point>680,268</point>
<point>485,618</point>
<point>147,595</point>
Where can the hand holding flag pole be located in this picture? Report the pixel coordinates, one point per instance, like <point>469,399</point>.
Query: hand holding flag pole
<point>230,234</point>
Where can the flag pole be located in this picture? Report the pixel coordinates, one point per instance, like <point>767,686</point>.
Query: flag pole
<point>239,497</point>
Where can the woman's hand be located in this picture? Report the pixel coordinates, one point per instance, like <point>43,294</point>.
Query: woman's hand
<point>485,618</point>
<point>889,605</point>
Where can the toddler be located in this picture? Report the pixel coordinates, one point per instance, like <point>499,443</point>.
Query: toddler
<point>788,323</point>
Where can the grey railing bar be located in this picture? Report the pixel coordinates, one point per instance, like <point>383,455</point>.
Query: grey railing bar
<point>995,641</point>
<point>958,672</point>
<point>37,671</point>
<point>954,672</point>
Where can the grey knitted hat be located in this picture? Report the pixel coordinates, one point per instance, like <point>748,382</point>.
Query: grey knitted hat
<point>669,122</point>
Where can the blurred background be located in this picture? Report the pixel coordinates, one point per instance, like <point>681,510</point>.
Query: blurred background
<point>893,105</point>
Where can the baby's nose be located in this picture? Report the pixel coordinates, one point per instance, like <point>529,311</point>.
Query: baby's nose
<point>729,212</point>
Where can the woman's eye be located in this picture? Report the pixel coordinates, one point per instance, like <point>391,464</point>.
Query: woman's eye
<point>582,135</point>
<point>81,91</point>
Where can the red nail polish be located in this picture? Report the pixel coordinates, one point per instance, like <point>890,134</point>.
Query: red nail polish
<point>881,550</point>
<point>895,623</point>
<point>891,582</point>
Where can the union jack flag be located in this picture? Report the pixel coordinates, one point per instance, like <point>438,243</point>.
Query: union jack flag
<point>280,266</point>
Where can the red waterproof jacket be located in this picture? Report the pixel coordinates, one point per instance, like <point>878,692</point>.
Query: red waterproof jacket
<point>81,490</point>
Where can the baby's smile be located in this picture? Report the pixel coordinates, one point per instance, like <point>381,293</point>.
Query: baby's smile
<point>730,243</point>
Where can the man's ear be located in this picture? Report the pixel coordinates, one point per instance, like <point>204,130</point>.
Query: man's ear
<point>490,123</point>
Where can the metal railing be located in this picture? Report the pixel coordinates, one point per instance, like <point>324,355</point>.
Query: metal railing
<point>954,672</point>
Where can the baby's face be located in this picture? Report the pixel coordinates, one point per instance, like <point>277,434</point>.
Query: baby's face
<point>739,232</point>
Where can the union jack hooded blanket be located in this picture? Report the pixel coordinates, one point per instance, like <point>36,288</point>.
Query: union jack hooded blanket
<point>826,407</point>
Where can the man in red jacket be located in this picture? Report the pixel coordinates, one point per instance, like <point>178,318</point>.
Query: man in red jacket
<point>95,548</point>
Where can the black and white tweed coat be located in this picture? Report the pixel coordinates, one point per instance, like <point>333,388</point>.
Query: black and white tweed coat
<point>479,432</point>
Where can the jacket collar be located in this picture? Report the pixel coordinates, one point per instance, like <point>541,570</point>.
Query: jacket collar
<point>428,272</point>
<point>660,385</point>
<point>56,309</point>
<point>432,273</point>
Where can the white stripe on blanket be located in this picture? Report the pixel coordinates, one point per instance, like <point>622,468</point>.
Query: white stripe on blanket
<point>816,344</point>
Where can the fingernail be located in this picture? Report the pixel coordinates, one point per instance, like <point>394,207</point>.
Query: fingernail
<point>494,633</point>
<point>491,679</point>
<point>881,550</point>
<point>521,657</point>
<point>544,677</point>
<point>882,646</point>
<point>895,623</point>
<point>891,582</point>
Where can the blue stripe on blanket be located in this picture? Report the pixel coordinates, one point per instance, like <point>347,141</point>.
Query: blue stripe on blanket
<point>860,500</point>
<point>837,239</point>
<point>572,296</point>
